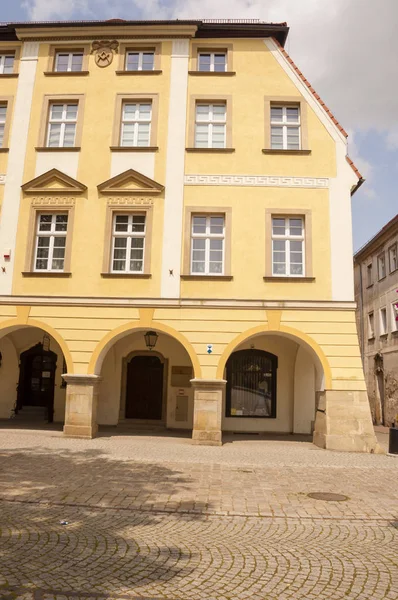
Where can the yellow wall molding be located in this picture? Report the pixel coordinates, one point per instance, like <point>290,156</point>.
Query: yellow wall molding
<point>146,316</point>
<point>23,313</point>
<point>274,319</point>
<point>294,334</point>
<point>113,336</point>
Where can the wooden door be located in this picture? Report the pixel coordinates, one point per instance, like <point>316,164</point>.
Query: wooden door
<point>144,395</point>
<point>37,379</point>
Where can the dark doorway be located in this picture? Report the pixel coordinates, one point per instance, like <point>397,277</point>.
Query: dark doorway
<point>144,394</point>
<point>36,380</point>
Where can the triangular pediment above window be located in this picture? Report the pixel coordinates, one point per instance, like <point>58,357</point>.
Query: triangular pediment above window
<point>55,182</point>
<point>129,183</point>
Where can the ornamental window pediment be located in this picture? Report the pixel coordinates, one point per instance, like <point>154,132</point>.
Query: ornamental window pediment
<point>131,183</point>
<point>54,182</point>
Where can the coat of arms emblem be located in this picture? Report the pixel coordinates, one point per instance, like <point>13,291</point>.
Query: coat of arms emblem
<point>103,51</point>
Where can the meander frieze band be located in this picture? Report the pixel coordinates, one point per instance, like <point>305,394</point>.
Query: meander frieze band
<point>127,201</point>
<point>51,201</point>
<point>257,181</point>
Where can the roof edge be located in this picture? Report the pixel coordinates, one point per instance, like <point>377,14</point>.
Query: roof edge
<point>363,250</point>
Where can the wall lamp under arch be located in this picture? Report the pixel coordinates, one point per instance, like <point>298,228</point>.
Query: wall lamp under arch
<point>151,337</point>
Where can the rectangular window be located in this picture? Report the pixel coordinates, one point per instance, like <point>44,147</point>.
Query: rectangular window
<point>288,246</point>
<point>392,255</point>
<point>207,245</point>
<point>394,316</point>
<point>383,321</point>
<point>68,61</point>
<point>140,61</point>
<point>371,326</point>
<point>136,124</point>
<point>381,266</point>
<point>128,243</point>
<point>50,242</point>
<point>285,127</point>
<point>212,61</point>
<point>211,125</point>
<point>62,125</point>
<point>7,64</point>
<point>3,115</point>
<point>369,274</point>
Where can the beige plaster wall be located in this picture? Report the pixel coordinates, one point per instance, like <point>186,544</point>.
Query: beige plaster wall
<point>9,373</point>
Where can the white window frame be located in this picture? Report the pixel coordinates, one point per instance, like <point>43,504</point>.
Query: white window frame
<point>285,124</point>
<point>210,122</point>
<point>3,124</point>
<point>52,234</point>
<point>287,238</point>
<point>383,325</point>
<point>371,325</point>
<point>129,235</point>
<point>212,61</point>
<point>2,63</point>
<point>394,316</point>
<point>207,236</point>
<point>136,121</point>
<point>63,122</point>
<point>70,56</point>
<point>390,250</point>
<point>381,257</point>
<point>140,59</point>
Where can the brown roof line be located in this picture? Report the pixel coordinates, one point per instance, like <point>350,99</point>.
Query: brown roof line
<point>384,229</point>
<point>354,168</point>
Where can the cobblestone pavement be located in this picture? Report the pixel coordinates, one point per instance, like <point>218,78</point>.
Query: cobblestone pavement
<point>157,518</point>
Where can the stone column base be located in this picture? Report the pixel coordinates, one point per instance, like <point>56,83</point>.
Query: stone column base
<point>208,395</point>
<point>81,405</point>
<point>343,422</point>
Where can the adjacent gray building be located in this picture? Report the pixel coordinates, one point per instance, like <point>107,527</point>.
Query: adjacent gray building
<point>376,285</point>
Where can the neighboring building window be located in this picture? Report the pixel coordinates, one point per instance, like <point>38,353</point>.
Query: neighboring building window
<point>136,124</point>
<point>128,243</point>
<point>50,242</point>
<point>7,63</point>
<point>68,61</point>
<point>62,125</point>
<point>371,326</point>
<point>392,255</point>
<point>287,246</point>
<point>212,61</point>
<point>381,265</point>
<point>251,384</point>
<point>369,274</point>
<point>383,321</point>
<point>285,127</point>
<point>394,316</point>
<point>210,126</point>
<point>207,247</point>
<point>3,115</point>
<point>140,61</point>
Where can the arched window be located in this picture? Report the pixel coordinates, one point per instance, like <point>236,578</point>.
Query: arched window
<point>251,384</point>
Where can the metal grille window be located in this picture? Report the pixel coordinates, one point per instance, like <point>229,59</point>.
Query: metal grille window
<point>140,61</point>
<point>210,125</point>
<point>288,246</point>
<point>6,64</point>
<point>285,127</point>
<point>51,242</point>
<point>128,243</point>
<point>68,61</point>
<point>212,61</point>
<point>3,115</point>
<point>207,248</point>
<point>62,125</point>
<point>136,124</point>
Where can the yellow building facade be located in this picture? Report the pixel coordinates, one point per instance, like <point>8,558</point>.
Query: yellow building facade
<point>175,234</point>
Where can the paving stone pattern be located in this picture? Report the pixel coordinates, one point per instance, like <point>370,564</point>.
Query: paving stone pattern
<point>191,530</point>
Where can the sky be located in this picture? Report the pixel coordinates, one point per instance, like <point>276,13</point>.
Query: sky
<point>345,49</point>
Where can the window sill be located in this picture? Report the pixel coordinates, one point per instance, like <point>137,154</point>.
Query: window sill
<point>46,274</point>
<point>8,75</point>
<point>277,151</point>
<point>207,277</point>
<point>57,149</point>
<point>292,278</point>
<point>381,278</point>
<point>134,148</point>
<point>66,73</point>
<point>212,73</point>
<point>369,286</point>
<point>127,275</point>
<point>4,150</point>
<point>384,336</point>
<point>211,150</point>
<point>371,339</point>
<point>150,72</point>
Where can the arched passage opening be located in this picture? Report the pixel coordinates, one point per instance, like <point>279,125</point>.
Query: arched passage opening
<point>32,362</point>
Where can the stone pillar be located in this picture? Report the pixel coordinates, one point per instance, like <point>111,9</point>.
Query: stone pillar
<point>81,405</point>
<point>343,422</point>
<point>208,395</point>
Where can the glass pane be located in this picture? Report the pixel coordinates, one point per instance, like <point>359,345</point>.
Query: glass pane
<point>59,242</point>
<point>129,111</point>
<point>277,138</point>
<point>69,136</point>
<point>204,62</point>
<point>62,62</point>
<point>137,242</point>
<point>292,114</point>
<point>144,111</point>
<point>41,264</point>
<point>121,223</point>
<point>128,134</point>
<point>279,257</point>
<point>43,244</point>
<point>296,269</point>
<point>198,255</point>
<point>202,136</point>
<point>199,224</point>
<point>56,112</point>
<point>120,242</point>
<point>279,268</point>
<point>216,244</point>
<point>219,111</point>
<point>276,113</point>
<point>143,134</point>
<point>77,62</point>
<point>138,223</point>
<point>293,138</point>
<point>57,264</point>
<point>251,385</point>
<point>202,112</point>
<point>136,265</point>
<point>279,245</point>
<point>1,134</point>
<point>278,226</point>
<point>118,265</point>
<point>132,61</point>
<point>296,226</point>
<point>137,254</point>
<point>3,112</point>
<point>296,246</point>
<point>198,267</point>
<point>45,223</point>
<point>71,112</point>
<point>218,139</point>
<point>215,267</point>
<point>219,62</point>
<point>199,243</point>
<point>147,61</point>
<point>8,64</point>
<point>216,225</point>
